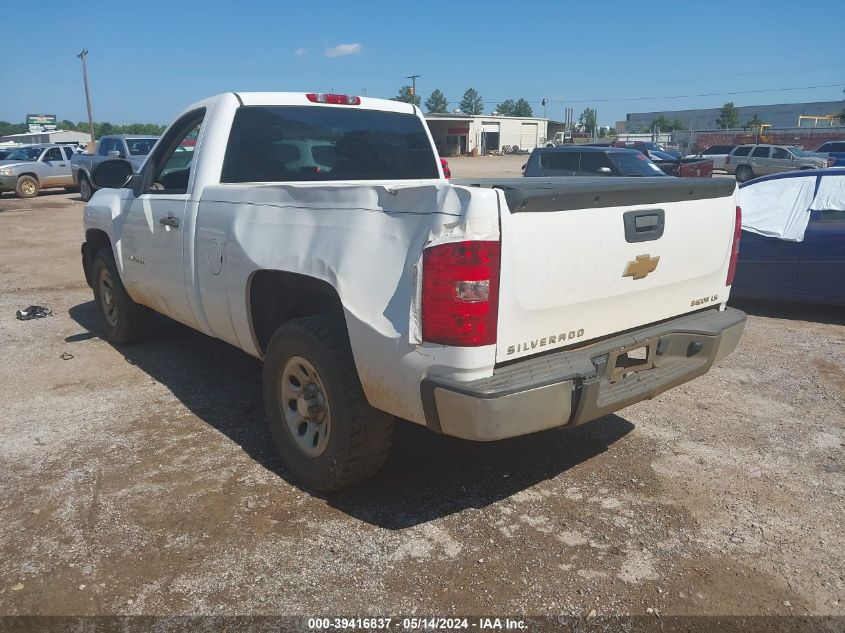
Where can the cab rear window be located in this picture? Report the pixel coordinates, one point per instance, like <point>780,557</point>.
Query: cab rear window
<point>318,143</point>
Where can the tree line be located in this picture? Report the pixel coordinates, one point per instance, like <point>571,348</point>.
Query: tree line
<point>471,103</point>
<point>100,129</point>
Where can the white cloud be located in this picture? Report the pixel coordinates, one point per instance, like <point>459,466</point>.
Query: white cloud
<point>343,49</point>
<point>299,52</point>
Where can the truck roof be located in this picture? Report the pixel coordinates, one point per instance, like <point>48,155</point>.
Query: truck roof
<point>300,99</point>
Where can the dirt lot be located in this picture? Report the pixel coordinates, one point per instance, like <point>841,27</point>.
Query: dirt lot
<point>142,479</point>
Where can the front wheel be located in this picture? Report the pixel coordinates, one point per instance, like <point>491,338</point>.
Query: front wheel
<point>124,321</point>
<point>27,187</point>
<point>744,173</point>
<point>327,434</point>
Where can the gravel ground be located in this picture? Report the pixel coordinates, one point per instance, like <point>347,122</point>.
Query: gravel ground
<point>142,480</point>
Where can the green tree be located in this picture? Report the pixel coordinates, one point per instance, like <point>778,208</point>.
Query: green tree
<point>507,107</point>
<point>437,102</point>
<point>523,108</point>
<point>587,120</point>
<point>407,96</point>
<point>677,124</point>
<point>661,123</point>
<point>728,117</point>
<point>471,102</point>
<point>66,125</point>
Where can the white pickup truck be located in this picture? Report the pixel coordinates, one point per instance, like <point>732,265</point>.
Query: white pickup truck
<point>317,232</point>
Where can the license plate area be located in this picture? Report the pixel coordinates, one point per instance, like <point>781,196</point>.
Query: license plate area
<point>630,360</point>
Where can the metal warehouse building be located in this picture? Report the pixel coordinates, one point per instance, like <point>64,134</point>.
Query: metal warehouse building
<point>58,136</point>
<point>779,115</point>
<point>465,134</point>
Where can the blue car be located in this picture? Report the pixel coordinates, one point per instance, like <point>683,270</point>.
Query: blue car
<point>793,238</point>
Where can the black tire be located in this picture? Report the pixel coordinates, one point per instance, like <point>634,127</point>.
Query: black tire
<point>85,188</point>
<point>27,187</point>
<point>744,173</point>
<point>358,438</point>
<point>124,321</point>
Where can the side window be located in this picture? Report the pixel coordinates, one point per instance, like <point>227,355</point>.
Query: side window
<point>760,152</point>
<point>68,152</point>
<point>835,147</point>
<point>831,216</point>
<point>104,147</point>
<point>779,152</point>
<point>560,161</point>
<point>54,153</point>
<point>742,151</point>
<point>173,159</point>
<point>591,162</point>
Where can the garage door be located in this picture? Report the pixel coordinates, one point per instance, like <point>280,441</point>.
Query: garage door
<point>528,137</point>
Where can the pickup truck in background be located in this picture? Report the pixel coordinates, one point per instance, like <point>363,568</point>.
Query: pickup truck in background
<point>133,148</point>
<point>373,288</point>
<point>29,169</point>
<point>834,150</point>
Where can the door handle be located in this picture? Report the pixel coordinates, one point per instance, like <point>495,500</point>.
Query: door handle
<point>169,221</point>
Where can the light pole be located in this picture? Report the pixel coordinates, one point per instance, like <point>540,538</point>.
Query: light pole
<point>413,79</point>
<point>83,55</point>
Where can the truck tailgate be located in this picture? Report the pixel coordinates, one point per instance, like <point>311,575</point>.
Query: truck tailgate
<point>583,258</point>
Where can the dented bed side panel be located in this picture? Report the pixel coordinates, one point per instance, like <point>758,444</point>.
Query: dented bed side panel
<point>366,240</point>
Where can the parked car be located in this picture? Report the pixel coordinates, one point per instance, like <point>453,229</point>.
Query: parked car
<point>681,167</point>
<point>717,153</point>
<point>645,146</point>
<point>29,169</point>
<point>444,164</point>
<point>835,150</point>
<point>750,161</point>
<point>793,238</point>
<point>579,160</point>
<point>133,148</point>
<point>482,310</point>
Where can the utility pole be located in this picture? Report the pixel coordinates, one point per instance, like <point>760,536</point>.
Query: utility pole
<point>413,79</point>
<point>83,55</point>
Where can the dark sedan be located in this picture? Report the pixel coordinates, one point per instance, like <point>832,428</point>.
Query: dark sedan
<point>793,238</point>
<point>578,160</point>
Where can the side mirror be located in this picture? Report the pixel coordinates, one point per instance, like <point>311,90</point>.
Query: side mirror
<point>112,174</point>
<point>115,154</point>
<point>604,170</point>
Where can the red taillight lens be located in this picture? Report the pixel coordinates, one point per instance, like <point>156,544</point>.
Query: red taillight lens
<point>735,248</point>
<point>322,97</point>
<point>446,171</point>
<point>460,293</point>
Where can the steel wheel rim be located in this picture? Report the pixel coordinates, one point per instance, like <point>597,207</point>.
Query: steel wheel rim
<point>28,187</point>
<point>108,297</point>
<point>304,407</point>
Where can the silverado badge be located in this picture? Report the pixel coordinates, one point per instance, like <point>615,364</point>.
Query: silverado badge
<point>641,266</point>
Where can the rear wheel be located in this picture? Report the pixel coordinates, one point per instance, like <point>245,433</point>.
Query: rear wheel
<point>27,187</point>
<point>124,321</point>
<point>744,173</point>
<point>85,188</point>
<point>327,434</point>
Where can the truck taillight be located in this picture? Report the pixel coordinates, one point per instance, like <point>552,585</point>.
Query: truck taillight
<point>460,293</point>
<point>734,248</point>
<point>322,97</point>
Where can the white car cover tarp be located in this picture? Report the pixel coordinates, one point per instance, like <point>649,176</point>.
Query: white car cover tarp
<point>780,206</point>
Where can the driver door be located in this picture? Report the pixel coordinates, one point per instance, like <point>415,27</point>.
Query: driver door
<point>154,222</point>
<point>56,168</point>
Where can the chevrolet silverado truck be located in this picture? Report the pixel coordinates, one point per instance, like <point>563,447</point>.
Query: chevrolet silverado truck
<point>373,288</point>
<point>134,149</point>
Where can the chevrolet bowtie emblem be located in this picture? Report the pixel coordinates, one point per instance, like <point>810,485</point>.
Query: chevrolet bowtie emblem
<point>641,266</point>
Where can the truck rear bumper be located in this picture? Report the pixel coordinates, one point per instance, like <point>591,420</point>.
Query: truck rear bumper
<point>569,388</point>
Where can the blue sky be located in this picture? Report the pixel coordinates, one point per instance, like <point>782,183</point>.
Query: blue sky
<point>150,59</point>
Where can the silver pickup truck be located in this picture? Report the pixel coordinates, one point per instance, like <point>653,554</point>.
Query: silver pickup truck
<point>29,169</point>
<point>133,148</point>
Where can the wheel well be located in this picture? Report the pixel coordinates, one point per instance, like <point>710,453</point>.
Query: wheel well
<point>277,296</point>
<point>95,241</point>
<point>31,174</point>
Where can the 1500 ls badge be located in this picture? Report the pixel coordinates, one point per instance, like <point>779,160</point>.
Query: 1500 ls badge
<point>703,300</point>
<point>546,340</point>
